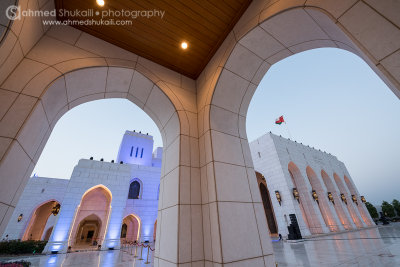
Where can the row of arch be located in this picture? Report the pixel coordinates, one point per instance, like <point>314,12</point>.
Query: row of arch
<point>90,223</point>
<point>337,202</point>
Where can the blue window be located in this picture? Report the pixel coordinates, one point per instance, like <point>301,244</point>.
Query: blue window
<point>137,150</point>
<point>131,151</point>
<point>141,154</point>
<point>134,190</point>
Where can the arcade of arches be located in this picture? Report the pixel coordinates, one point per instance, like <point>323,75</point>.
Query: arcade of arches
<point>302,196</point>
<point>45,71</point>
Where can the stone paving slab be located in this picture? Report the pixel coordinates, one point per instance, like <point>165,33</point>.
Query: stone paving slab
<point>370,247</point>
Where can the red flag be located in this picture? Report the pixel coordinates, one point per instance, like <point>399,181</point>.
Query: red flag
<point>279,120</point>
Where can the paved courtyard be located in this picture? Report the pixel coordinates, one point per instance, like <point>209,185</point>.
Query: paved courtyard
<point>370,247</point>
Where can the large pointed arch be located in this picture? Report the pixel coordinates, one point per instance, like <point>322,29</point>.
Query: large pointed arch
<point>267,203</point>
<point>361,208</point>
<point>310,216</point>
<point>349,203</point>
<point>133,226</point>
<point>95,205</point>
<point>83,80</point>
<point>344,219</point>
<point>323,204</point>
<point>36,225</point>
<point>267,33</point>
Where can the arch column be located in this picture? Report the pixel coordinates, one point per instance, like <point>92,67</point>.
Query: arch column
<point>230,196</point>
<point>365,216</point>
<point>354,214</point>
<point>340,209</point>
<point>309,208</point>
<point>327,212</point>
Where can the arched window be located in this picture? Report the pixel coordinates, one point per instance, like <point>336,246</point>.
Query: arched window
<point>134,190</point>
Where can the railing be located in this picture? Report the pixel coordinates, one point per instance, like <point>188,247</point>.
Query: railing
<point>129,247</point>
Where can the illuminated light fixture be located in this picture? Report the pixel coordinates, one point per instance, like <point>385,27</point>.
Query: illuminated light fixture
<point>342,196</point>
<point>354,198</point>
<point>363,200</point>
<point>296,194</point>
<point>56,209</point>
<point>278,197</point>
<point>330,197</point>
<point>184,45</point>
<point>20,217</point>
<point>100,2</point>
<point>314,195</point>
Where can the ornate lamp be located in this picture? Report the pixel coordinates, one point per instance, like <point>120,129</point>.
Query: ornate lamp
<point>354,198</point>
<point>314,195</point>
<point>296,194</point>
<point>20,217</point>
<point>56,209</point>
<point>330,197</point>
<point>342,196</point>
<point>278,197</point>
<point>363,200</point>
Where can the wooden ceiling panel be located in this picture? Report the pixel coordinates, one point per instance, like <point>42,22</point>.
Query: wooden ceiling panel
<point>203,24</point>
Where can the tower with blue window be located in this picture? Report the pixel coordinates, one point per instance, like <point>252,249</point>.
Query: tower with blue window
<point>136,148</point>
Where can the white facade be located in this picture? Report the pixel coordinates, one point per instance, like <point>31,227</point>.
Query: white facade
<point>114,178</point>
<point>274,156</point>
<point>37,192</point>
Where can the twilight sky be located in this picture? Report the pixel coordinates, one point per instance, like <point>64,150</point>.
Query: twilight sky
<point>330,98</point>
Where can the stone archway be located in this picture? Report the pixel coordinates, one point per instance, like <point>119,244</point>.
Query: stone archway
<point>343,217</point>
<point>310,215</point>
<point>38,221</point>
<point>323,204</point>
<point>91,219</point>
<point>349,203</point>
<point>132,231</point>
<point>267,33</point>
<point>88,232</point>
<point>366,217</point>
<point>268,207</point>
<point>77,76</point>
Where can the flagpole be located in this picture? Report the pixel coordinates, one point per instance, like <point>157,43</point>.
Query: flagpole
<point>287,128</point>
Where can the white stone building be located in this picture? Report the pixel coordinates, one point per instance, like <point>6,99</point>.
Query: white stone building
<point>105,202</point>
<point>102,203</point>
<point>285,168</point>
